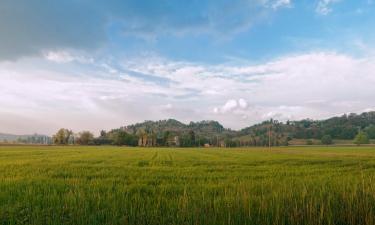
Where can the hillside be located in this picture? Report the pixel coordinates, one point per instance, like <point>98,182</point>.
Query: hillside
<point>344,127</point>
<point>173,132</point>
<point>165,131</point>
<point>203,128</point>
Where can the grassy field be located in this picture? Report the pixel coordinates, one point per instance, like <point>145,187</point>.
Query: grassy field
<point>112,185</point>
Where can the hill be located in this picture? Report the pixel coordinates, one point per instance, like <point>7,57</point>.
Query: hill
<point>172,132</point>
<point>343,127</point>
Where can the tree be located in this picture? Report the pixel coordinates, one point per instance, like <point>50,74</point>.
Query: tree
<point>62,137</point>
<point>120,137</point>
<point>166,135</point>
<point>361,138</point>
<point>103,133</point>
<point>370,130</point>
<point>192,137</point>
<point>103,139</point>
<point>327,140</point>
<point>85,138</point>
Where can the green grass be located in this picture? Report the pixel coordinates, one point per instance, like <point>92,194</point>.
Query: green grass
<point>111,185</point>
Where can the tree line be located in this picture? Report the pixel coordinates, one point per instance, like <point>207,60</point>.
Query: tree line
<point>120,137</point>
<point>359,128</point>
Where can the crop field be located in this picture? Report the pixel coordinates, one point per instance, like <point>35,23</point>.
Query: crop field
<point>117,185</point>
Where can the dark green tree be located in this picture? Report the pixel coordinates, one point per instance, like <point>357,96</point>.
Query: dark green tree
<point>120,137</point>
<point>327,140</point>
<point>192,137</point>
<point>370,130</point>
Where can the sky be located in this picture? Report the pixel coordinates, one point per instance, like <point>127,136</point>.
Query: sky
<point>93,65</point>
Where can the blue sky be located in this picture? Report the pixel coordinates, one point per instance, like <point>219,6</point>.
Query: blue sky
<point>102,64</point>
<point>267,33</point>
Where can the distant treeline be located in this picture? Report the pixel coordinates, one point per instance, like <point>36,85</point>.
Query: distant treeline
<point>25,139</point>
<point>359,128</point>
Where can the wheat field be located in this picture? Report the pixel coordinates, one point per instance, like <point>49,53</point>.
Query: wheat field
<point>118,185</point>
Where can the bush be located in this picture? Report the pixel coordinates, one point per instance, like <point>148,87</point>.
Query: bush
<point>327,140</point>
<point>361,138</point>
<point>85,138</point>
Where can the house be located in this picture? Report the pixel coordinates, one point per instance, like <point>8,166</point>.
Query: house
<point>173,141</point>
<point>222,144</point>
<point>146,139</point>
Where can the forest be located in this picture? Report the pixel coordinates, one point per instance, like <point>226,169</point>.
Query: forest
<point>211,133</point>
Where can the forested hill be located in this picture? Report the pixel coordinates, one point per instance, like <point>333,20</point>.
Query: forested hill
<point>168,133</point>
<point>203,128</point>
<point>172,132</point>
<point>343,127</point>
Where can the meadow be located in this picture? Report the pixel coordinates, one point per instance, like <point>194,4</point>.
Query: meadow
<point>118,185</point>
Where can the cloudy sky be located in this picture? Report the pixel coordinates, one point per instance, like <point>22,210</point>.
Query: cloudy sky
<point>91,65</point>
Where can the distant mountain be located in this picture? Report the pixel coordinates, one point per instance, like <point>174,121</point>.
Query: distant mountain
<point>8,137</point>
<point>28,139</point>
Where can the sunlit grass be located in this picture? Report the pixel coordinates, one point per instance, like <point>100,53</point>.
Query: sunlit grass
<point>112,185</point>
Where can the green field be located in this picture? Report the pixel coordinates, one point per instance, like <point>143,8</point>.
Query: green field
<point>113,185</point>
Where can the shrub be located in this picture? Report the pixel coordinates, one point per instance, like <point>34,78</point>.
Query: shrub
<point>361,138</point>
<point>327,140</point>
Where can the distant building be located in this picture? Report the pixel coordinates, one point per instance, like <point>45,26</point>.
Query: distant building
<point>176,141</point>
<point>147,140</point>
<point>173,141</point>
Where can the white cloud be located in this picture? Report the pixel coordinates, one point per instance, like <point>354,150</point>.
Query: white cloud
<point>242,103</point>
<point>64,56</point>
<point>281,3</point>
<point>60,57</point>
<point>314,85</point>
<point>229,106</point>
<point>232,106</point>
<point>324,6</point>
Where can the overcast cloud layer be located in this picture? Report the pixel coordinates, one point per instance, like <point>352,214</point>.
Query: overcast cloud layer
<point>91,66</point>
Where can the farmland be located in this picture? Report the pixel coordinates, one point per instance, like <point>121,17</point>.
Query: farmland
<point>119,185</point>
